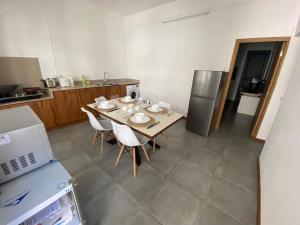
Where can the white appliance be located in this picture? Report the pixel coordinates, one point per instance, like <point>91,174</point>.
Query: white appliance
<point>133,91</point>
<point>66,82</point>
<point>43,196</point>
<point>248,103</point>
<point>24,144</point>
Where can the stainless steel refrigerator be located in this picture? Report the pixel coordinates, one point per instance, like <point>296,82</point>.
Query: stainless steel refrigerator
<point>204,100</point>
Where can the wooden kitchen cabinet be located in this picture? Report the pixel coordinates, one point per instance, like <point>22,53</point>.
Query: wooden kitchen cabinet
<point>45,112</point>
<point>88,95</point>
<point>66,107</point>
<point>123,91</point>
<point>112,91</point>
<point>42,108</point>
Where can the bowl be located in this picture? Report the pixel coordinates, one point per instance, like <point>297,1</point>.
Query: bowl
<point>127,98</point>
<point>139,117</point>
<point>104,103</point>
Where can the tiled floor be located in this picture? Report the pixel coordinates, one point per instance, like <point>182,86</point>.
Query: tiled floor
<point>191,181</point>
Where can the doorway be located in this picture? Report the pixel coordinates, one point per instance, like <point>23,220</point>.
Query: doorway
<point>253,73</point>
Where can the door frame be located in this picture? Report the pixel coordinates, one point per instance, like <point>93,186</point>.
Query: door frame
<point>268,93</point>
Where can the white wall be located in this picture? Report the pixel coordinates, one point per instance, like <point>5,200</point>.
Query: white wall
<point>70,37</point>
<point>164,56</point>
<point>280,168</point>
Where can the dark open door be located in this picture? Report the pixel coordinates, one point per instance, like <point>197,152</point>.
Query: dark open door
<point>270,85</point>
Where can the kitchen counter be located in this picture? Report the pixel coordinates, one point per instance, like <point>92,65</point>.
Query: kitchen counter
<point>47,95</point>
<point>78,85</point>
<point>98,83</point>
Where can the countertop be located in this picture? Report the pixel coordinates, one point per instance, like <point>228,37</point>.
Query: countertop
<point>98,83</point>
<point>94,83</point>
<point>251,94</point>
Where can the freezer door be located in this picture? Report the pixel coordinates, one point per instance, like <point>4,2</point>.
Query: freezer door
<point>199,115</point>
<point>206,83</point>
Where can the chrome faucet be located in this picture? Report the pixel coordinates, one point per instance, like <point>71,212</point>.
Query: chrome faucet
<point>104,77</point>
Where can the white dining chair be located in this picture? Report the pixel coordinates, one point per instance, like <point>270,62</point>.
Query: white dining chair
<point>102,127</point>
<point>165,105</point>
<point>100,99</point>
<point>127,137</point>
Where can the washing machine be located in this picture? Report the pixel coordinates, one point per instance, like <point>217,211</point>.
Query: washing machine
<point>133,91</point>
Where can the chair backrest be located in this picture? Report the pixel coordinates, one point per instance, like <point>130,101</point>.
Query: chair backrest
<point>165,105</point>
<point>100,99</point>
<point>125,135</point>
<point>93,120</point>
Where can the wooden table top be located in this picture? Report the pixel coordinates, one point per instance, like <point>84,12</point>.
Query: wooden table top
<point>120,116</point>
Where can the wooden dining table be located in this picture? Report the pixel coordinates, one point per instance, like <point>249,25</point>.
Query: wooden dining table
<point>159,121</point>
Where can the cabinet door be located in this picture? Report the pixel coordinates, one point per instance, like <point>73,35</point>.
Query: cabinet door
<point>43,109</point>
<point>123,91</point>
<point>112,91</point>
<point>45,112</point>
<point>88,95</point>
<point>66,107</point>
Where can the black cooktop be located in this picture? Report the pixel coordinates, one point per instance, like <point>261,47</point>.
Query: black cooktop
<point>20,97</point>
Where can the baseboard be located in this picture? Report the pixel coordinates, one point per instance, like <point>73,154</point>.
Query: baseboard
<point>258,212</point>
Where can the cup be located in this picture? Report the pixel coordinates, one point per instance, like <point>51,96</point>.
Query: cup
<point>139,117</point>
<point>127,98</point>
<point>155,107</point>
<point>104,103</point>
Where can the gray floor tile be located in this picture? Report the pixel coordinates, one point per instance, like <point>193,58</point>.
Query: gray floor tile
<point>108,164</point>
<point>179,148</point>
<point>63,148</point>
<point>91,182</point>
<point>76,163</point>
<point>233,200</point>
<point>145,185</point>
<point>94,151</point>
<point>145,218</point>
<point>238,172</point>
<point>213,145</point>
<point>164,161</point>
<point>112,206</point>
<point>238,154</point>
<point>212,216</point>
<point>110,195</point>
<point>193,178</point>
<point>174,205</point>
<point>204,159</point>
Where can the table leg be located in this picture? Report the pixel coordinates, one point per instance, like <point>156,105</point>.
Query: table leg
<point>153,143</point>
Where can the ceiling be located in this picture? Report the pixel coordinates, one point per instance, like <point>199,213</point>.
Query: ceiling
<point>128,7</point>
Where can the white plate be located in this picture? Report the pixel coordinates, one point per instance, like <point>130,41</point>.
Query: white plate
<point>127,101</point>
<point>109,106</point>
<point>151,109</point>
<point>146,119</point>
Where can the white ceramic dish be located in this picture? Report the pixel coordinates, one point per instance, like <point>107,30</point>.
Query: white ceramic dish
<point>127,100</point>
<point>106,106</point>
<point>144,119</point>
<point>155,109</point>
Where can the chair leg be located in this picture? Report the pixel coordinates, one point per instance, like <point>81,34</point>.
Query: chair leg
<point>101,145</point>
<point>154,140</point>
<point>118,141</point>
<point>119,155</point>
<point>133,161</point>
<point>145,152</point>
<point>95,137</point>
